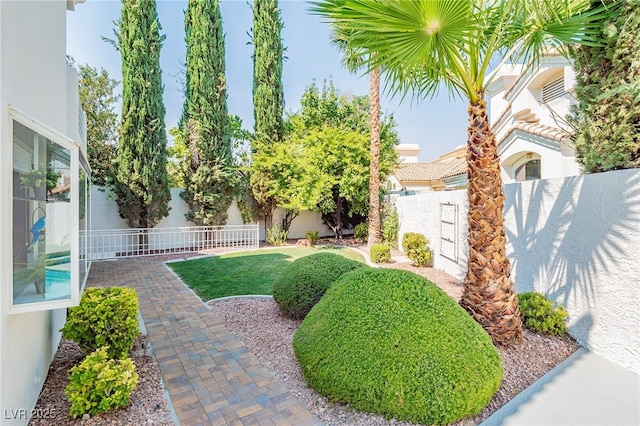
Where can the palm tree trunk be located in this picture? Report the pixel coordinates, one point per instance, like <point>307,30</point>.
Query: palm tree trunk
<point>374,165</point>
<point>489,294</point>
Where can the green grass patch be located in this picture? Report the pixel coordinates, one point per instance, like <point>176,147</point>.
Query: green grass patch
<point>245,272</point>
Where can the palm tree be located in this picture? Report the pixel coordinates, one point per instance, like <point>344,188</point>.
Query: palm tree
<point>354,59</point>
<point>421,44</point>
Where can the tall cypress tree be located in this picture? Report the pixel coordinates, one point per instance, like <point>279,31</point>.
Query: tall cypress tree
<point>607,118</point>
<point>209,180</point>
<point>268,93</point>
<point>141,175</point>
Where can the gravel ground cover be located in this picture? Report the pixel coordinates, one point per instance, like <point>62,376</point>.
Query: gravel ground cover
<point>146,407</point>
<point>268,334</point>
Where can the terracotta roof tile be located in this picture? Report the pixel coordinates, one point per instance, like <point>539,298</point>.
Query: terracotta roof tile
<point>435,170</point>
<point>548,132</point>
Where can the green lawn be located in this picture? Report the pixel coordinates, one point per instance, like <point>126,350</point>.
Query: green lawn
<point>246,272</point>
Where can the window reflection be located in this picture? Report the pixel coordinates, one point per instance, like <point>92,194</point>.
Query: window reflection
<point>41,212</point>
<point>528,171</point>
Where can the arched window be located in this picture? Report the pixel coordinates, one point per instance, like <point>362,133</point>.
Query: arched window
<point>528,171</point>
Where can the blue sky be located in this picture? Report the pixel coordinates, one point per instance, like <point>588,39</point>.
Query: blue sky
<point>438,125</point>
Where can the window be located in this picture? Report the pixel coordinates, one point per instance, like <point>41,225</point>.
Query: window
<point>45,217</point>
<point>528,171</point>
<point>553,90</point>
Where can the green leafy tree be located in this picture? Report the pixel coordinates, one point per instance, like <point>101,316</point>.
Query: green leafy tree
<point>268,97</point>
<point>97,99</point>
<point>140,183</point>
<point>422,44</point>
<point>208,177</point>
<point>177,155</point>
<point>280,167</point>
<point>607,118</point>
<point>330,135</point>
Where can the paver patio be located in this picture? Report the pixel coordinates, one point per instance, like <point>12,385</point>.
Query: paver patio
<point>210,375</point>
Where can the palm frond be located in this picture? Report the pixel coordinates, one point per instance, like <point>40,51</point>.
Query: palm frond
<point>421,44</point>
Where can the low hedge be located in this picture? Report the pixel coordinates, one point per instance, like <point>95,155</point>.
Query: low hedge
<point>380,253</point>
<point>106,316</point>
<point>305,281</point>
<point>390,342</point>
<point>416,247</point>
<point>542,315</point>
<point>99,384</point>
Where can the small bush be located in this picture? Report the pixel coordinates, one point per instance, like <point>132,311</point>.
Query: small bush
<point>390,342</point>
<point>313,236</point>
<point>99,384</point>
<point>390,224</point>
<point>380,253</point>
<point>305,281</point>
<point>361,231</point>
<point>105,317</point>
<point>416,248</point>
<point>539,314</point>
<point>276,236</point>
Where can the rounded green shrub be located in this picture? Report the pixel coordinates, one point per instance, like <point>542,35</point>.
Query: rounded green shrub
<point>313,236</point>
<point>305,281</point>
<point>539,314</point>
<point>380,253</point>
<point>105,317</point>
<point>416,247</point>
<point>361,231</point>
<point>99,384</point>
<point>390,342</point>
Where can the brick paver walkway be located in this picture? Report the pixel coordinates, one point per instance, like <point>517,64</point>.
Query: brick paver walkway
<point>210,376</point>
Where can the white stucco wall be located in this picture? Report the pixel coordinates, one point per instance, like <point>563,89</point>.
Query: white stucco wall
<point>573,239</point>
<point>33,80</point>
<point>422,213</point>
<point>104,215</point>
<point>577,240</point>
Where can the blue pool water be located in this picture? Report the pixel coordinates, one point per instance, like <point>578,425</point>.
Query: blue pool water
<point>57,278</point>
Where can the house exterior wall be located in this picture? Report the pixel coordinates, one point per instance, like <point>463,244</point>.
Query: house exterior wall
<point>574,239</point>
<point>557,159</point>
<point>520,96</point>
<point>34,80</point>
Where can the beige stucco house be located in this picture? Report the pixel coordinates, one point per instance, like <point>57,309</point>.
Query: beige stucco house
<point>412,177</point>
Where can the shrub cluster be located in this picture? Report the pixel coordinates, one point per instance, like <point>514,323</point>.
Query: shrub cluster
<point>406,349</point>
<point>416,248</point>
<point>305,281</point>
<point>313,236</point>
<point>380,253</point>
<point>105,317</point>
<point>276,236</point>
<point>361,231</point>
<point>390,225</point>
<point>539,314</point>
<point>99,384</point>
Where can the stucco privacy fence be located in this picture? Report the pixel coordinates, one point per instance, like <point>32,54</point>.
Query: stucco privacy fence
<point>104,216</point>
<point>574,239</point>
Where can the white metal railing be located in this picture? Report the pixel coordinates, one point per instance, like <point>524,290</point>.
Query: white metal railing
<point>114,243</point>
